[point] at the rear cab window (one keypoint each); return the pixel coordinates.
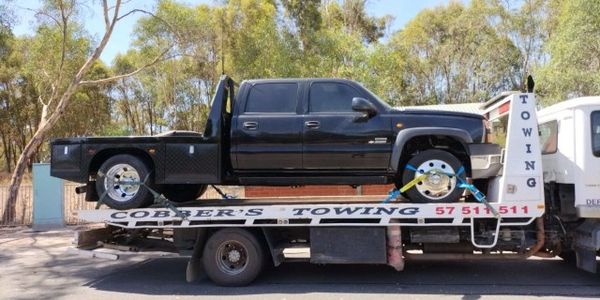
(272, 98)
(595, 120)
(328, 97)
(549, 137)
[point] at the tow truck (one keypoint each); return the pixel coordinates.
(505, 216)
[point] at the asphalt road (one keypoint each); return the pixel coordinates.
(37, 265)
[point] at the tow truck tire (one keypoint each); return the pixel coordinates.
(184, 192)
(124, 167)
(569, 257)
(233, 257)
(434, 189)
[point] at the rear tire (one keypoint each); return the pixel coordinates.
(436, 188)
(233, 257)
(569, 257)
(114, 174)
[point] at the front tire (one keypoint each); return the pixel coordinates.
(114, 176)
(233, 257)
(441, 185)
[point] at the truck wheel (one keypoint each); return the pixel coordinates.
(233, 257)
(438, 186)
(116, 172)
(184, 192)
(568, 256)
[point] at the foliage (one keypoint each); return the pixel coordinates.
(574, 50)
(463, 51)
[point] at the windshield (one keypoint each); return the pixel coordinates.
(498, 130)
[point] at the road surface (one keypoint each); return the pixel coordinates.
(37, 265)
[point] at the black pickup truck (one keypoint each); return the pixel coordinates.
(286, 132)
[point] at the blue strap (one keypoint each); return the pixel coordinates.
(393, 194)
(476, 192)
(464, 185)
(460, 171)
(410, 167)
(479, 196)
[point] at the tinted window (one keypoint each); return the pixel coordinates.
(596, 133)
(549, 137)
(272, 98)
(331, 97)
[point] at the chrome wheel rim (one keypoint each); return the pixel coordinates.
(438, 183)
(121, 182)
(232, 257)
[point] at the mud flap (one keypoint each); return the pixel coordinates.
(587, 243)
(195, 269)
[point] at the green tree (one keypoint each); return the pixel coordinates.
(357, 21)
(574, 52)
(454, 55)
(306, 17)
(65, 70)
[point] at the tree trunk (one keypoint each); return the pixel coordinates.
(7, 150)
(9, 215)
(47, 121)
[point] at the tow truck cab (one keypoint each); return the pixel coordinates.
(570, 143)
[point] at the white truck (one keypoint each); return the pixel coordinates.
(570, 145)
(232, 240)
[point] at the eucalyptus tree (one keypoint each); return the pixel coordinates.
(65, 71)
(574, 52)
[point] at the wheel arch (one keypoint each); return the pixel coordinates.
(105, 154)
(411, 136)
(99, 158)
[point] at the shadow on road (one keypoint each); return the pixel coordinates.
(166, 276)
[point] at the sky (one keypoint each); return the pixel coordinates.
(402, 10)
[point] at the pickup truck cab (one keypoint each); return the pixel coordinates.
(286, 132)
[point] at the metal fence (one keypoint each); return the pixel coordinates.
(74, 202)
(24, 203)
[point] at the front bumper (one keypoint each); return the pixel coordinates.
(486, 160)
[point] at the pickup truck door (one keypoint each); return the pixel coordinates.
(267, 130)
(332, 136)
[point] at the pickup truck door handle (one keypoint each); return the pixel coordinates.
(312, 124)
(251, 125)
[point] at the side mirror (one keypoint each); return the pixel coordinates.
(364, 106)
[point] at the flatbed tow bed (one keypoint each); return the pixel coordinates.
(231, 240)
(313, 211)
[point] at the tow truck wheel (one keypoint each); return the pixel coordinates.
(568, 256)
(119, 178)
(440, 184)
(233, 257)
(184, 192)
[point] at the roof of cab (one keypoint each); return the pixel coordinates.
(271, 80)
(570, 104)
